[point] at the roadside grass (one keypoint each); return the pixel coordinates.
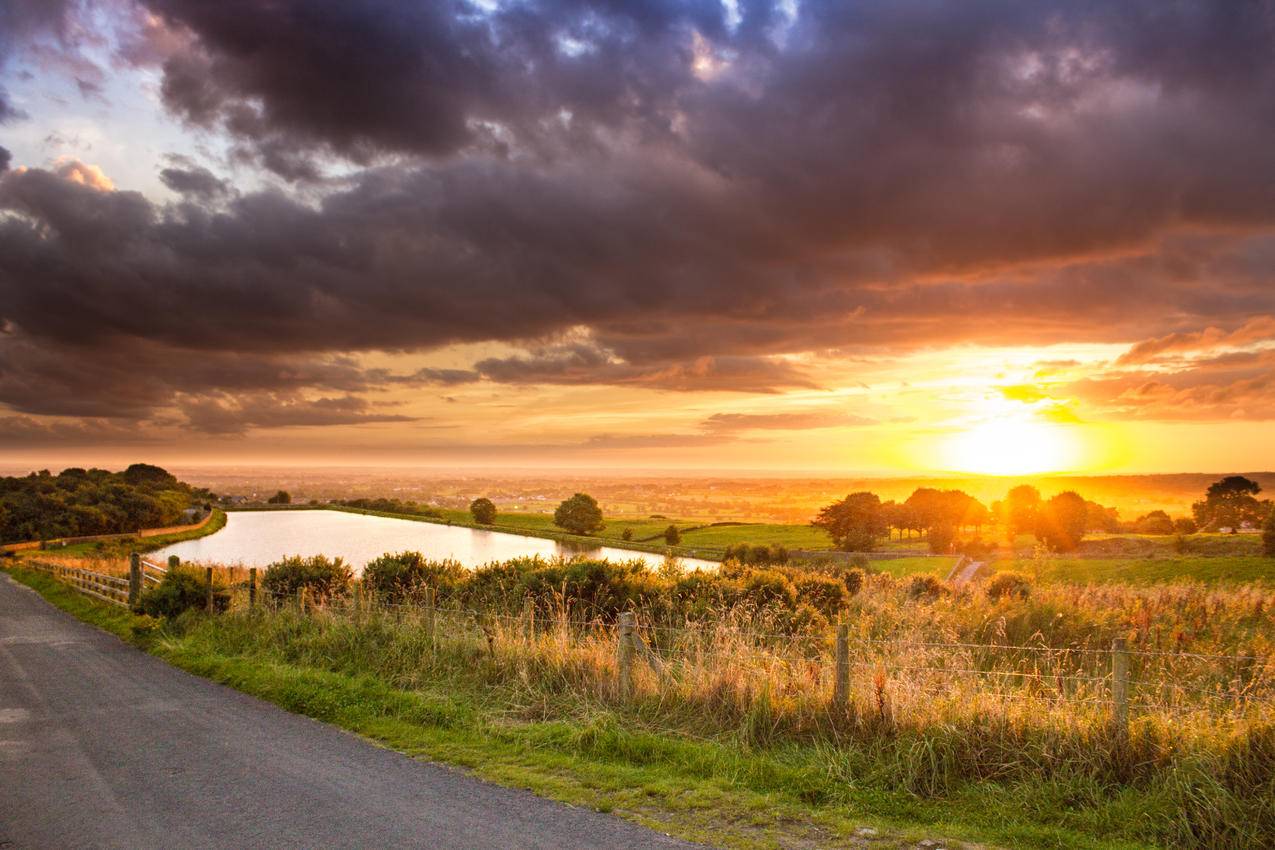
(742, 780)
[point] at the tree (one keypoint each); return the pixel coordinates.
(1184, 525)
(1268, 535)
(1156, 522)
(483, 510)
(580, 515)
(672, 536)
(1061, 522)
(1099, 518)
(855, 523)
(283, 497)
(1228, 503)
(1022, 505)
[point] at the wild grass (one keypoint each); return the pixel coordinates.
(948, 693)
(991, 716)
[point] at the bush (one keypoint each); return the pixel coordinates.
(853, 580)
(975, 548)
(1185, 525)
(181, 590)
(1156, 522)
(768, 587)
(823, 592)
(926, 588)
(1009, 584)
(672, 536)
(322, 577)
(941, 537)
(627, 535)
(405, 576)
(755, 555)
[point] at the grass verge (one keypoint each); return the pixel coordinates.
(728, 791)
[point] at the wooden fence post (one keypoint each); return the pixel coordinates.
(134, 580)
(1119, 688)
(208, 600)
(174, 562)
(841, 682)
(252, 588)
(624, 655)
(429, 612)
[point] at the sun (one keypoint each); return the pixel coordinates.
(1011, 446)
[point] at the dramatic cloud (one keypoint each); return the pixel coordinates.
(1259, 329)
(195, 181)
(648, 195)
(233, 415)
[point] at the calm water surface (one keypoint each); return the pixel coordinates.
(258, 538)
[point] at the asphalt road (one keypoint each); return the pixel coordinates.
(102, 745)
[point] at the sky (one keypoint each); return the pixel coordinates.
(853, 236)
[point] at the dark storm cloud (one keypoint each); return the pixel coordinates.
(196, 181)
(691, 198)
(240, 413)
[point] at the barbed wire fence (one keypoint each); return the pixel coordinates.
(848, 672)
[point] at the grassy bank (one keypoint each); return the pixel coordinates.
(120, 548)
(759, 762)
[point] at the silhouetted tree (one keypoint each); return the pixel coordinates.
(672, 536)
(855, 523)
(1156, 522)
(1229, 503)
(483, 510)
(1061, 522)
(580, 515)
(1022, 505)
(283, 497)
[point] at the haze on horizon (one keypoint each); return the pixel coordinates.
(880, 237)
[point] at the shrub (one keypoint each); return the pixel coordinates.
(483, 511)
(405, 576)
(322, 577)
(181, 590)
(1185, 525)
(975, 548)
(941, 537)
(853, 580)
(768, 587)
(825, 593)
(627, 535)
(1009, 584)
(926, 588)
(672, 536)
(1156, 522)
(755, 555)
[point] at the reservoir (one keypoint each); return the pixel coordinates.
(259, 538)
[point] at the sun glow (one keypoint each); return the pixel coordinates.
(1012, 446)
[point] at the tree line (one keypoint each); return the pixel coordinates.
(861, 520)
(81, 502)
